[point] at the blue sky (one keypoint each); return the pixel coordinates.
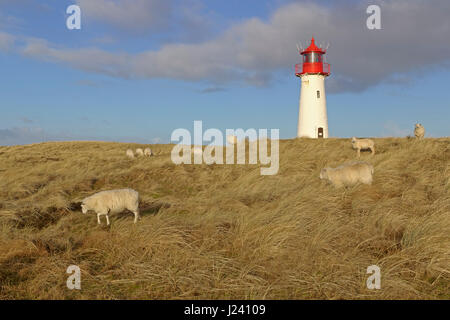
(139, 69)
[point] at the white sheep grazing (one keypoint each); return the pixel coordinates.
(231, 139)
(139, 152)
(348, 174)
(130, 154)
(419, 131)
(112, 201)
(148, 152)
(363, 144)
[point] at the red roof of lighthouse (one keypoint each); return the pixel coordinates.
(313, 48)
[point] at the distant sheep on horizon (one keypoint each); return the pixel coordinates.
(419, 131)
(348, 174)
(139, 152)
(130, 154)
(112, 201)
(148, 152)
(363, 144)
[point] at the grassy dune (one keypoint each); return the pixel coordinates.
(225, 231)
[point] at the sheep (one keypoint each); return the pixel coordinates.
(112, 201)
(130, 154)
(231, 139)
(363, 144)
(419, 131)
(348, 174)
(148, 152)
(139, 152)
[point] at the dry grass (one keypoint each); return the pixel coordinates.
(225, 231)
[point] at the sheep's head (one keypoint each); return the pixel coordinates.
(353, 139)
(418, 125)
(84, 209)
(323, 173)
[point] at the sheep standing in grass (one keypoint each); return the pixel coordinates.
(130, 154)
(363, 144)
(139, 152)
(147, 152)
(348, 174)
(419, 131)
(112, 201)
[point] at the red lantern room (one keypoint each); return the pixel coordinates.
(312, 61)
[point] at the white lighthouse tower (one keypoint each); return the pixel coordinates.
(312, 117)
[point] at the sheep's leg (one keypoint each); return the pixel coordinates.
(136, 215)
(102, 214)
(358, 152)
(373, 150)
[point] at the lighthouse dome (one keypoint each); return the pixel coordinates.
(313, 48)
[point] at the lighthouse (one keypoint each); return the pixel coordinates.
(312, 117)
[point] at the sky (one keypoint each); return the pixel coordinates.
(139, 69)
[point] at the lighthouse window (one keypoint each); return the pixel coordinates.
(318, 94)
(312, 57)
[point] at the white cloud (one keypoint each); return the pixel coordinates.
(413, 37)
(212, 90)
(28, 135)
(6, 41)
(27, 120)
(88, 59)
(104, 40)
(128, 14)
(22, 135)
